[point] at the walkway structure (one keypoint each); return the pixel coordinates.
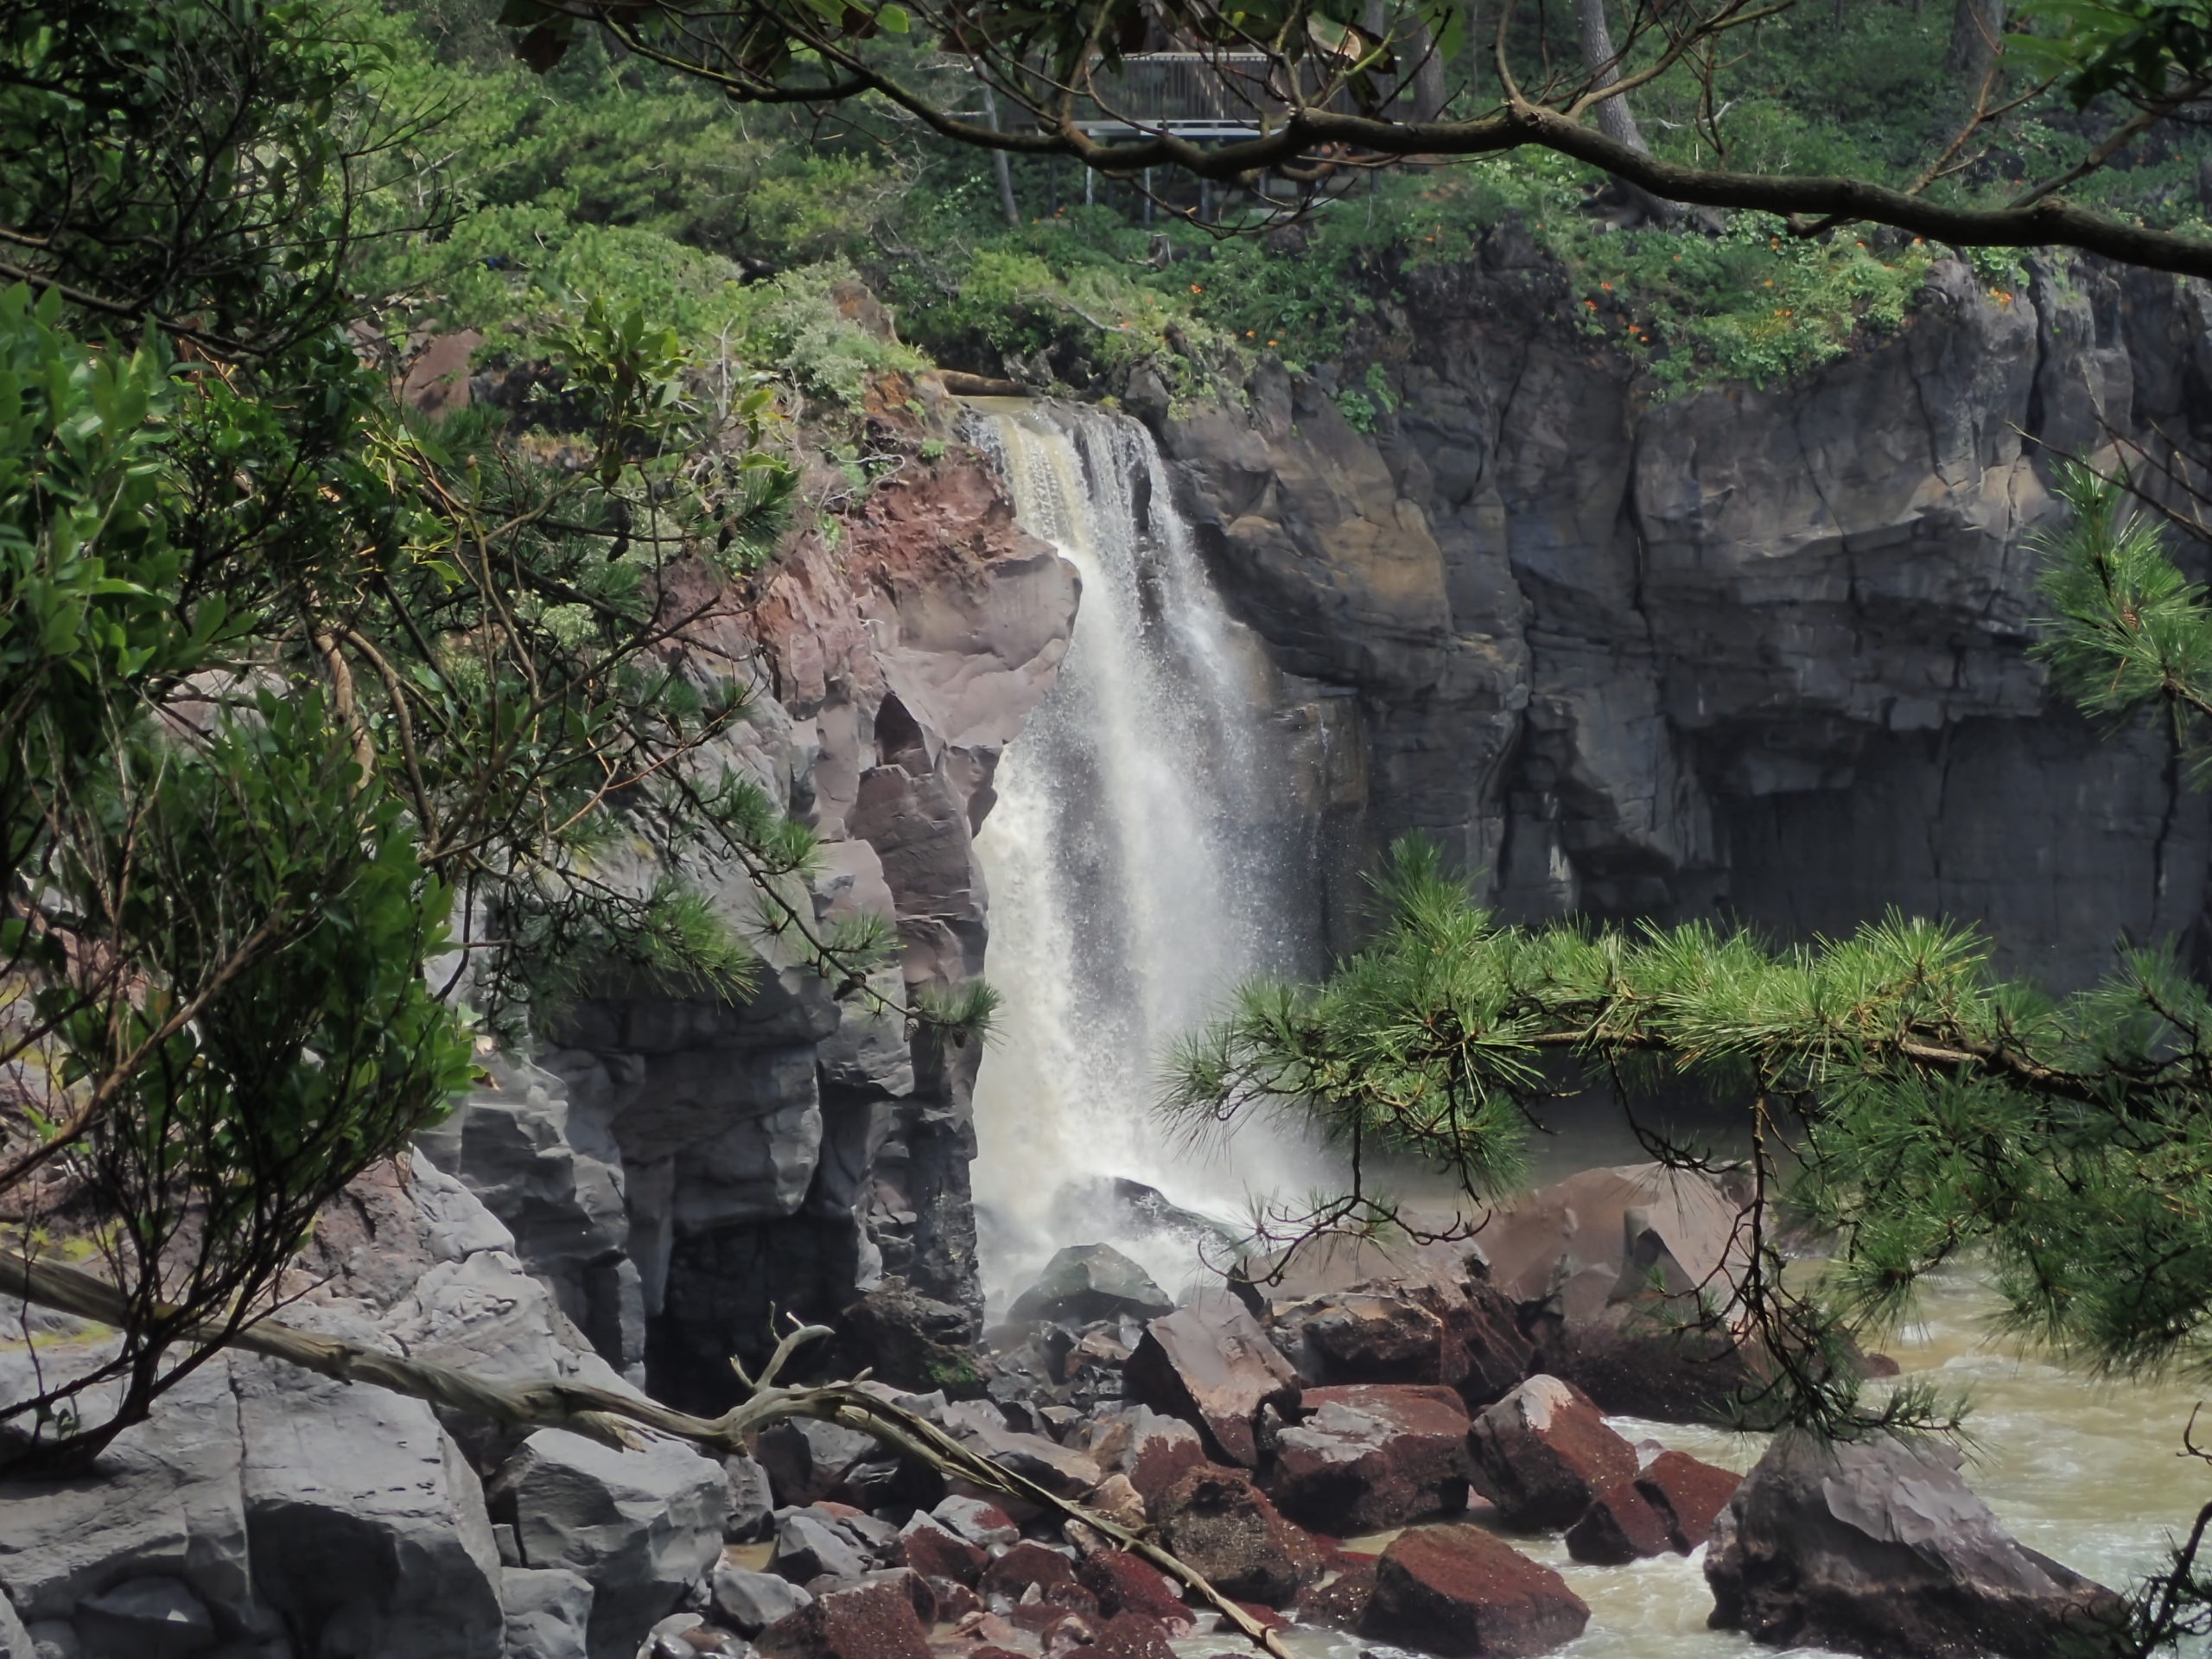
(1196, 95)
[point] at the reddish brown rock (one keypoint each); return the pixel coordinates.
(1543, 1453)
(1458, 1591)
(955, 1600)
(916, 1588)
(1686, 1495)
(1222, 1525)
(1131, 1636)
(875, 1620)
(1620, 1526)
(1485, 1352)
(1373, 1456)
(1340, 1599)
(1212, 1366)
(1154, 1451)
(1024, 1564)
(978, 1520)
(1125, 1583)
(935, 1551)
(1361, 1337)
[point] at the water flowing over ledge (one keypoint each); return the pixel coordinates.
(1136, 870)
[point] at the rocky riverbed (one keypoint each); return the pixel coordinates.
(1409, 1458)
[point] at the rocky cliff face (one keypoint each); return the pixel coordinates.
(673, 1166)
(1756, 654)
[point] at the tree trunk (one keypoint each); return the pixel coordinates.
(1600, 62)
(1429, 93)
(1976, 28)
(1478, 54)
(1000, 164)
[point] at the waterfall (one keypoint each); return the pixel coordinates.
(1134, 874)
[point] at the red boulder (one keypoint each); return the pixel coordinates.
(875, 1620)
(1687, 1496)
(1620, 1526)
(1126, 1583)
(1371, 1456)
(1543, 1453)
(1458, 1591)
(1221, 1525)
(1213, 1366)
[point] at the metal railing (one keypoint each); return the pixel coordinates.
(1193, 94)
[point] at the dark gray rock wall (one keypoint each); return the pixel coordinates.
(1756, 654)
(675, 1166)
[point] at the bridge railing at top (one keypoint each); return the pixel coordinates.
(1196, 95)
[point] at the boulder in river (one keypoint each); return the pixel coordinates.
(1223, 1527)
(1213, 1366)
(1877, 1547)
(1669, 1506)
(1620, 1526)
(1687, 1495)
(1458, 1591)
(1361, 1337)
(874, 1620)
(1373, 1456)
(1087, 1282)
(1542, 1453)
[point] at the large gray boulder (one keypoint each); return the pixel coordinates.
(643, 1526)
(1086, 1282)
(547, 1613)
(145, 1619)
(553, 1177)
(367, 1527)
(166, 1497)
(1877, 1547)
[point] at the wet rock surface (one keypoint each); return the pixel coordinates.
(1760, 649)
(1543, 1453)
(1369, 1457)
(1213, 1366)
(1878, 1547)
(1458, 1590)
(1085, 1283)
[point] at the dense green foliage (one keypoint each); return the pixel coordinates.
(611, 175)
(329, 738)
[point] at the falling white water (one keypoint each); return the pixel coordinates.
(1133, 877)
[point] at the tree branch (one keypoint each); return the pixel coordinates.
(614, 1419)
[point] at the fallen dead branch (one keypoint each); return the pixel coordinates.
(614, 1419)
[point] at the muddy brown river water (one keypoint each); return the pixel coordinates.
(2087, 1472)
